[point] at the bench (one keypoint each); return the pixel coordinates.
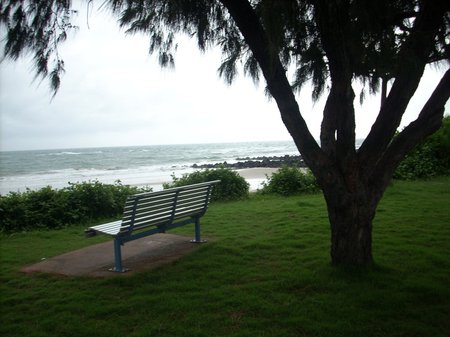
(156, 212)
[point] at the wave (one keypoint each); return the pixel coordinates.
(65, 153)
(140, 176)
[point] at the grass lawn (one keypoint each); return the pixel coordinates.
(266, 272)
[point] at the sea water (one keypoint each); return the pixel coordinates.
(137, 165)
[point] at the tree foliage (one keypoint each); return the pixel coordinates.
(38, 27)
(374, 35)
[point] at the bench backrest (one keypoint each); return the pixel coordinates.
(164, 207)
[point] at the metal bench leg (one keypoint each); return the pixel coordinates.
(197, 232)
(118, 258)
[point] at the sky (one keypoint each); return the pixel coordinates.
(115, 94)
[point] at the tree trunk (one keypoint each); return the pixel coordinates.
(384, 83)
(350, 216)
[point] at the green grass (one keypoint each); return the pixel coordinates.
(265, 272)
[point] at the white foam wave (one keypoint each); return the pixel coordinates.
(141, 176)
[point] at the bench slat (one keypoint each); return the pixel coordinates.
(187, 202)
(188, 212)
(149, 211)
(153, 218)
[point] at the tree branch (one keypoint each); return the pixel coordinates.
(413, 56)
(328, 127)
(256, 37)
(428, 122)
(338, 125)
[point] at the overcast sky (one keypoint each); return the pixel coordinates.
(115, 94)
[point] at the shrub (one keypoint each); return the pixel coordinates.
(290, 180)
(51, 208)
(428, 159)
(231, 187)
(419, 164)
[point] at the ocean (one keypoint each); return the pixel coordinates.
(132, 165)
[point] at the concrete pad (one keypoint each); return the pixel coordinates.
(139, 255)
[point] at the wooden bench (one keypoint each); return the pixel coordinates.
(156, 212)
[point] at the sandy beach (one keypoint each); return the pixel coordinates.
(255, 176)
(256, 173)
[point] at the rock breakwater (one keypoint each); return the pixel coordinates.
(254, 162)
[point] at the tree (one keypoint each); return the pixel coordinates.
(333, 43)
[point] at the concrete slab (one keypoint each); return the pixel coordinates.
(139, 255)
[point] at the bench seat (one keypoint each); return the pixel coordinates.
(110, 228)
